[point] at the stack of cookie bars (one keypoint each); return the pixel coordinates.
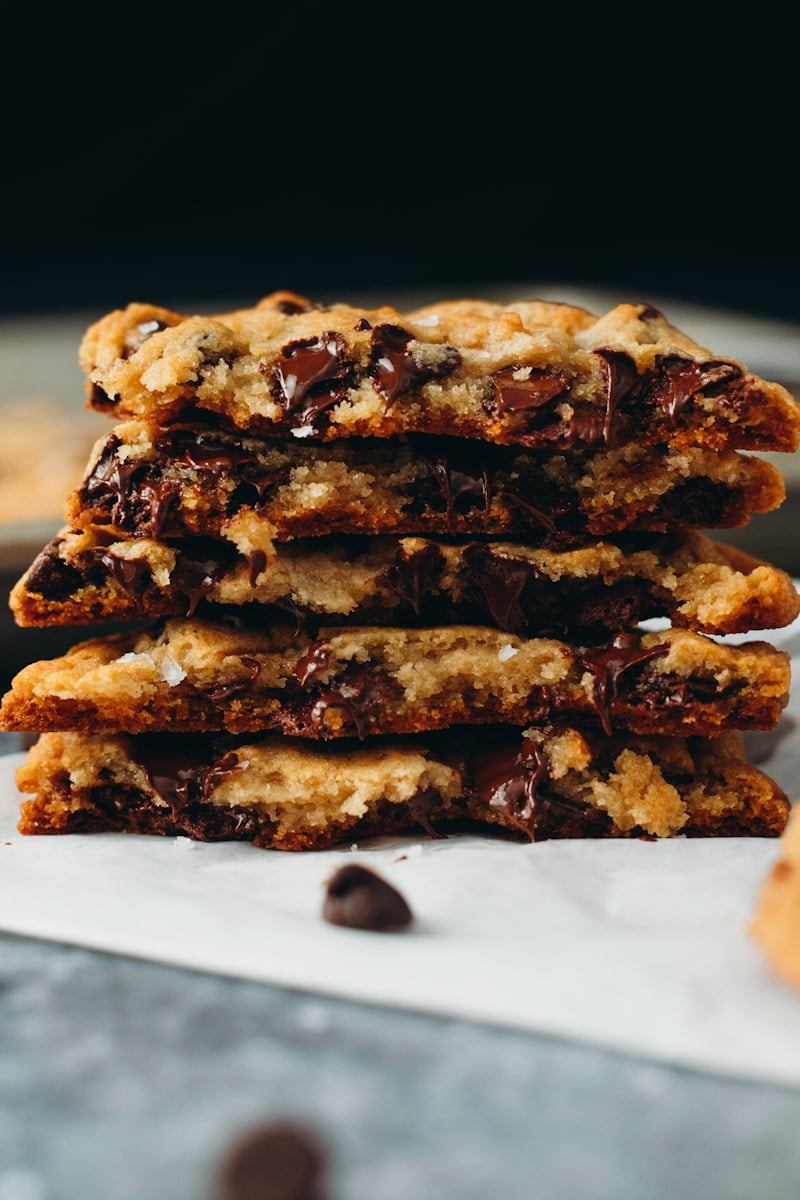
(400, 571)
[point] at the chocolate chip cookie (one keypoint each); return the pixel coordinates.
(533, 373)
(287, 794)
(195, 674)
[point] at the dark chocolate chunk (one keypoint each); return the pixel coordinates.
(279, 1161)
(621, 381)
(361, 692)
(311, 377)
(316, 659)
(203, 449)
(412, 575)
(499, 582)
(541, 518)
(512, 394)
(125, 495)
(132, 574)
(256, 561)
(420, 807)
(678, 380)
(394, 368)
(460, 486)
(51, 577)
(185, 774)
(290, 308)
(305, 619)
(194, 578)
(361, 325)
(508, 778)
(226, 691)
(360, 899)
(609, 663)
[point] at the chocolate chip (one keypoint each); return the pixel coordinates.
(311, 377)
(394, 368)
(279, 1161)
(412, 576)
(508, 778)
(537, 387)
(609, 663)
(499, 583)
(291, 308)
(621, 380)
(360, 899)
(678, 380)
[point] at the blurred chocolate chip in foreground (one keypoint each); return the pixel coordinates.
(360, 899)
(277, 1161)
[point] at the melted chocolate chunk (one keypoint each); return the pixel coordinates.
(193, 578)
(412, 575)
(670, 690)
(395, 370)
(256, 561)
(311, 377)
(621, 381)
(359, 899)
(541, 518)
(203, 449)
(132, 574)
(420, 807)
(499, 583)
(511, 394)
(183, 774)
(316, 659)
(461, 486)
(361, 692)
(51, 577)
(586, 426)
(508, 778)
(226, 691)
(361, 325)
(279, 1161)
(126, 497)
(678, 380)
(305, 619)
(609, 663)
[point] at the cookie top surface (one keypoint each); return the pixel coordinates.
(534, 372)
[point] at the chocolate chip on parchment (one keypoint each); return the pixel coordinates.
(278, 1161)
(360, 899)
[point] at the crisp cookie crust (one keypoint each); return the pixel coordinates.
(87, 575)
(776, 922)
(290, 795)
(202, 481)
(532, 372)
(197, 675)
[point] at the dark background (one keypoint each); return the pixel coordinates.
(338, 152)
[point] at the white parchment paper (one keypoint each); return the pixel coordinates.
(641, 947)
